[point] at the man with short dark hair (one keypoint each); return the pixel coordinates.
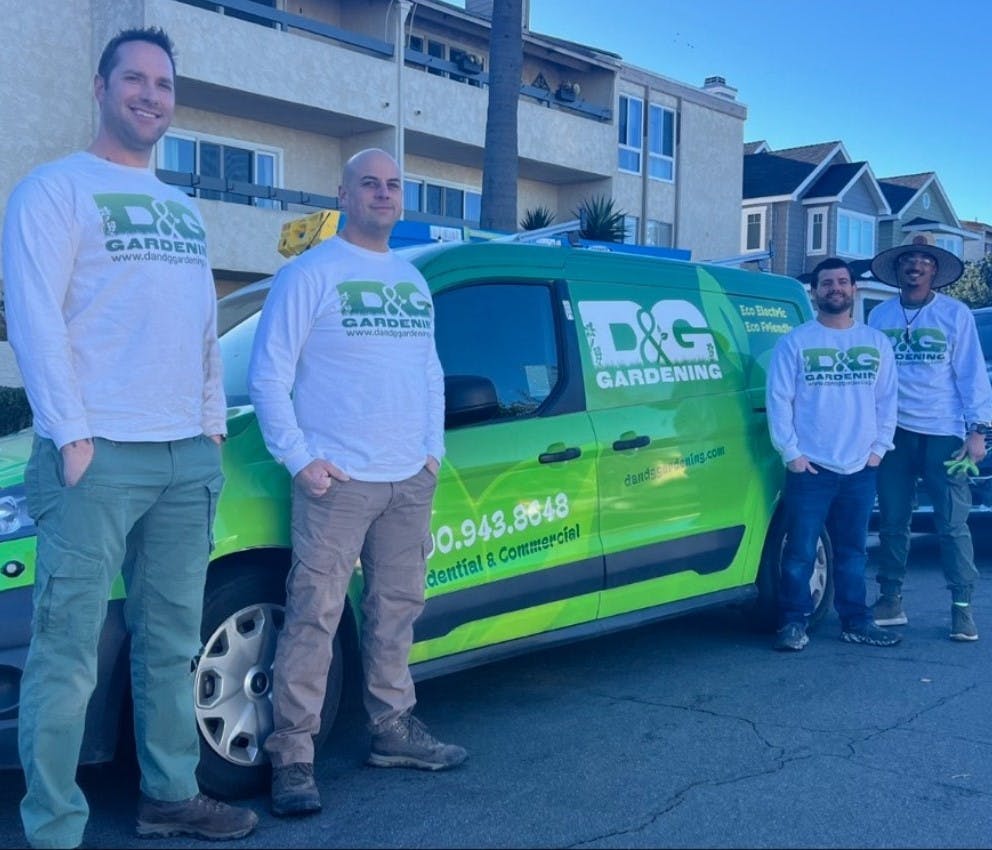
(945, 411)
(112, 317)
(831, 400)
(355, 411)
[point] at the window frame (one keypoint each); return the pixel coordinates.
(256, 149)
(444, 186)
(625, 147)
(843, 230)
(656, 225)
(762, 213)
(811, 214)
(661, 156)
(631, 229)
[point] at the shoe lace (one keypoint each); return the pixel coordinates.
(417, 732)
(208, 803)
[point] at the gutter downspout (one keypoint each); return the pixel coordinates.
(403, 9)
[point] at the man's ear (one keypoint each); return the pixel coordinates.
(99, 87)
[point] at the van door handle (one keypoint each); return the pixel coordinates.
(638, 442)
(557, 457)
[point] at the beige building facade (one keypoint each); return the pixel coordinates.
(273, 97)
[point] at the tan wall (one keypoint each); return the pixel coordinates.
(46, 97)
(225, 51)
(710, 171)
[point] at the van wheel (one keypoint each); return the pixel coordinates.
(242, 616)
(821, 583)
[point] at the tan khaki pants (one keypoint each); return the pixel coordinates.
(388, 525)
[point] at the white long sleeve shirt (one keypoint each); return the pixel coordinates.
(943, 380)
(344, 366)
(111, 308)
(831, 396)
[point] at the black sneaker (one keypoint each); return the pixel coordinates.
(792, 637)
(294, 791)
(199, 816)
(870, 635)
(405, 742)
(963, 623)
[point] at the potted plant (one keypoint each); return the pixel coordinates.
(470, 63)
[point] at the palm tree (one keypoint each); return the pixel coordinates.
(537, 218)
(499, 163)
(600, 220)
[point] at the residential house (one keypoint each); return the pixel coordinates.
(802, 204)
(977, 249)
(919, 203)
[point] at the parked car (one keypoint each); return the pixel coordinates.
(981, 484)
(608, 464)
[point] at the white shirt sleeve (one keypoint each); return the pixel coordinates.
(40, 241)
(283, 328)
(780, 396)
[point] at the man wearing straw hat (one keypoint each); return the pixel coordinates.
(944, 412)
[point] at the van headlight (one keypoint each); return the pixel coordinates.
(14, 519)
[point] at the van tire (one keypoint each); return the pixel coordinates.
(764, 613)
(242, 615)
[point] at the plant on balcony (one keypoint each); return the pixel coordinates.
(600, 221)
(568, 91)
(537, 218)
(470, 63)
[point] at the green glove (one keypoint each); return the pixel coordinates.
(964, 466)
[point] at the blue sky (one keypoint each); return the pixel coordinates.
(904, 85)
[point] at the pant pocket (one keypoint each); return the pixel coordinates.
(214, 488)
(70, 594)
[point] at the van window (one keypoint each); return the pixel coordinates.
(504, 332)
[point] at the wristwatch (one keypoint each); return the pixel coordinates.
(978, 428)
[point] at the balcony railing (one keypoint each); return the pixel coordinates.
(267, 16)
(241, 192)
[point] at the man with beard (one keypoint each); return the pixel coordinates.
(831, 401)
(945, 408)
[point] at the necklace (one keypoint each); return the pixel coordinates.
(906, 316)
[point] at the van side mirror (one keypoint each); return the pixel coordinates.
(468, 400)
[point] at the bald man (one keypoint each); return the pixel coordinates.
(349, 394)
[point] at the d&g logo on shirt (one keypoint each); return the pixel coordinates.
(918, 345)
(141, 227)
(371, 308)
(858, 365)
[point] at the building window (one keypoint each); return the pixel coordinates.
(630, 127)
(631, 228)
(816, 231)
(753, 230)
(855, 235)
(661, 143)
(954, 244)
(658, 233)
(443, 200)
(227, 159)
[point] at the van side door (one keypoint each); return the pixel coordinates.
(681, 481)
(516, 548)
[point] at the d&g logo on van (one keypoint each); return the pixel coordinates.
(371, 308)
(667, 343)
(858, 365)
(918, 345)
(143, 228)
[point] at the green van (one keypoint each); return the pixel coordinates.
(608, 464)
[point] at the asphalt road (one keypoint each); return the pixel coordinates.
(688, 733)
